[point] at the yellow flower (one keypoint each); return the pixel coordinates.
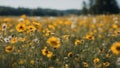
(37, 24)
(106, 64)
(85, 64)
(89, 37)
(32, 62)
(21, 27)
(77, 42)
(9, 49)
(70, 54)
(96, 60)
(66, 37)
(51, 67)
(13, 40)
(47, 53)
(51, 27)
(22, 39)
(115, 48)
(23, 16)
(21, 61)
(54, 42)
(31, 28)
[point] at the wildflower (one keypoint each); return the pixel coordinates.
(7, 40)
(96, 60)
(23, 16)
(51, 27)
(21, 39)
(37, 24)
(70, 54)
(77, 42)
(47, 53)
(4, 27)
(54, 42)
(21, 27)
(51, 67)
(21, 61)
(66, 66)
(118, 61)
(9, 49)
(21, 20)
(106, 64)
(32, 62)
(36, 40)
(31, 28)
(13, 40)
(115, 48)
(85, 64)
(89, 37)
(66, 37)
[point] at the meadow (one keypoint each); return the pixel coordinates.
(60, 42)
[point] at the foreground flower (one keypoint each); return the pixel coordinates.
(54, 42)
(21, 27)
(115, 48)
(9, 49)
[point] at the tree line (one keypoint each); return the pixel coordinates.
(100, 7)
(35, 12)
(93, 7)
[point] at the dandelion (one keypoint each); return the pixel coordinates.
(54, 42)
(21, 27)
(115, 48)
(9, 49)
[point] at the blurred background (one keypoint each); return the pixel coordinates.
(58, 7)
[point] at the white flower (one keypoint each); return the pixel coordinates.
(118, 61)
(6, 40)
(35, 40)
(9, 37)
(21, 19)
(4, 27)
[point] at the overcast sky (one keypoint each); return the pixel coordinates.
(53, 4)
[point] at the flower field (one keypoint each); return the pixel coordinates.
(60, 42)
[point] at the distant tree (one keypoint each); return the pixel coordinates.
(103, 7)
(84, 9)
